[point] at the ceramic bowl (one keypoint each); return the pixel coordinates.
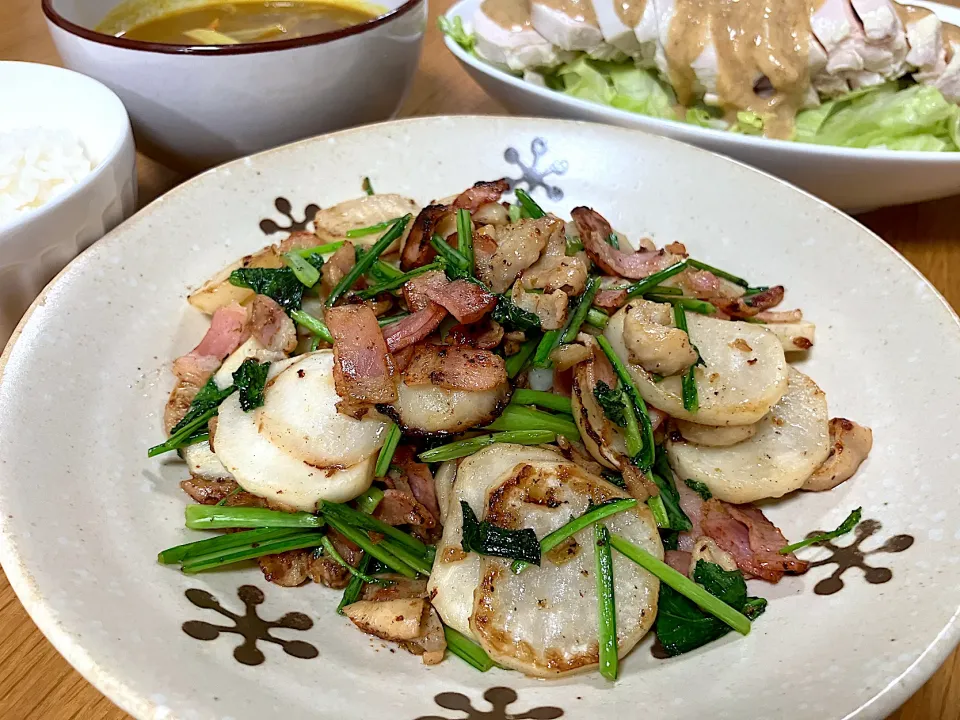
(80, 527)
(35, 246)
(852, 179)
(195, 107)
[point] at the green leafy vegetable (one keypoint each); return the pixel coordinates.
(645, 457)
(368, 501)
(518, 361)
(367, 186)
(662, 477)
(682, 626)
(612, 402)
(659, 510)
(613, 240)
(549, 400)
(331, 552)
(597, 318)
(853, 519)
(386, 452)
(514, 213)
(216, 517)
(313, 324)
(453, 28)
(465, 237)
(687, 303)
(306, 271)
(485, 538)
(279, 284)
(688, 383)
(208, 398)
(648, 283)
(718, 272)
(368, 259)
(518, 417)
(579, 314)
(455, 264)
(513, 317)
(250, 379)
(370, 229)
(351, 593)
(699, 488)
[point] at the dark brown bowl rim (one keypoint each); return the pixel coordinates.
(242, 49)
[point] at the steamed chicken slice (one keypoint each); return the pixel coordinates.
(297, 449)
(744, 376)
(864, 51)
(542, 621)
(934, 50)
(505, 37)
(571, 25)
(789, 444)
(630, 26)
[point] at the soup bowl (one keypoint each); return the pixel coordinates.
(193, 107)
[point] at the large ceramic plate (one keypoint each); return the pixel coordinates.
(851, 179)
(83, 512)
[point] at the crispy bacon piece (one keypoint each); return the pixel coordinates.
(401, 508)
(455, 367)
(741, 308)
(753, 541)
(271, 325)
(416, 292)
(679, 560)
(594, 231)
(419, 479)
(486, 335)
(363, 369)
(333, 270)
(417, 250)
(413, 328)
(610, 299)
(228, 330)
(466, 301)
(483, 192)
(208, 491)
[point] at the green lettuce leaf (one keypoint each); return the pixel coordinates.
(916, 117)
(640, 92)
(582, 79)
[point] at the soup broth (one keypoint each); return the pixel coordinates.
(246, 22)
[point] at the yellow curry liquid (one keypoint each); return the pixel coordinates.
(246, 22)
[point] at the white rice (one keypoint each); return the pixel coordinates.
(37, 165)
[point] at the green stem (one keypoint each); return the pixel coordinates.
(550, 339)
(682, 584)
(346, 514)
(648, 453)
(215, 517)
(595, 514)
(718, 272)
(632, 432)
(643, 286)
(367, 503)
(597, 318)
(416, 561)
(220, 543)
(376, 550)
(465, 237)
(583, 308)
(692, 304)
(519, 418)
(320, 249)
(606, 603)
(528, 204)
(369, 257)
(351, 593)
(455, 261)
(664, 290)
(370, 229)
(314, 324)
(467, 650)
(384, 321)
(367, 186)
(330, 551)
(386, 452)
(659, 510)
(518, 361)
(688, 384)
(399, 281)
(184, 436)
(549, 400)
(306, 273)
(306, 539)
(462, 448)
(852, 520)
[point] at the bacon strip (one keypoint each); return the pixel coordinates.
(271, 325)
(455, 367)
(594, 231)
(753, 541)
(417, 250)
(486, 335)
(740, 308)
(466, 301)
(420, 479)
(482, 193)
(610, 299)
(363, 369)
(413, 328)
(333, 270)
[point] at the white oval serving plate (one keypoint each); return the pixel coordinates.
(83, 512)
(854, 180)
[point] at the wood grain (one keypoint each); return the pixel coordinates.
(35, 682)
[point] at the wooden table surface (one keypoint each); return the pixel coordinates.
(35, 682)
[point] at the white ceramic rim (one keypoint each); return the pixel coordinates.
(732, 139)
(116, 107)
(115, 688)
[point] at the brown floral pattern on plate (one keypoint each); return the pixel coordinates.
(852, 556)
(250, 626)
(285, 208)
(500, 698)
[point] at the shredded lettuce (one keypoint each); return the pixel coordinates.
(455, 30)
(896, 115)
